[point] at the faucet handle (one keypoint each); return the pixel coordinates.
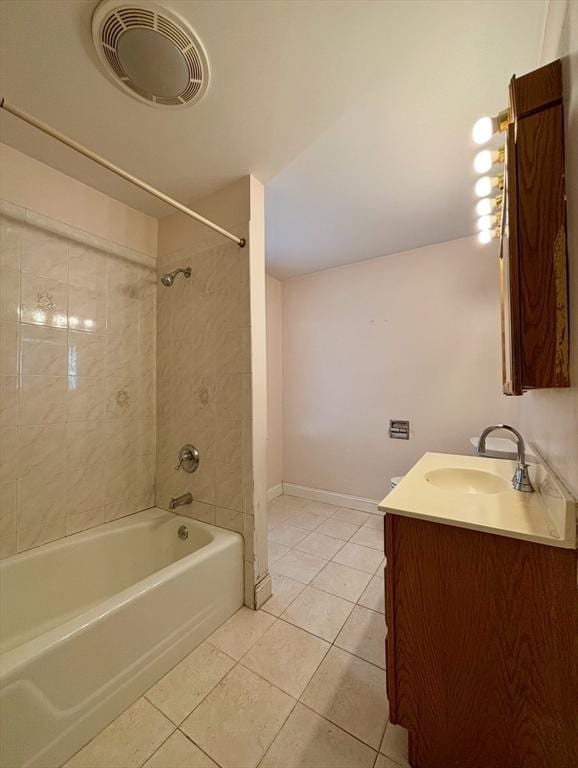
(521, 480)
(189, 458)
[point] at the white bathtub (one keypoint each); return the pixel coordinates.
(90, 622)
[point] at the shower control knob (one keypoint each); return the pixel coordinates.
(188, 458)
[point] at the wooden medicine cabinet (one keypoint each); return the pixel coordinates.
(533, 258)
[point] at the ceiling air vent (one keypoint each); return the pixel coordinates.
(150, 52)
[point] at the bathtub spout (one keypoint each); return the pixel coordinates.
(179, 501)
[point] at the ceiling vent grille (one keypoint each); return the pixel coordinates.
(150, 52)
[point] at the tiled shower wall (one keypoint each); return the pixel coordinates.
(77, 365)
(204, 388)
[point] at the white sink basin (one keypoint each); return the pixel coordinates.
(466, 480)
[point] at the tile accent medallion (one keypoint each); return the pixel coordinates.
(77, 379)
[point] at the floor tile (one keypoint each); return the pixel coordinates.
(338, 529)
(318, 544)
(369, 537)
(276, 516)
(299, 566)
(302, 518)
(351, 693)
(308, 741)
(287, 657)
(353, 516)
(285, 590)
(395, 745)
(385, 762)
(128, 741)
(187, 684)
(239, 719)
(356, 556)
(379, 571)
(374, 595)
(319, 508)
(318, 612)
(240, 632)
(364, 635)
(288, 535)
(278, 504)
(342, 581)
(276, 550)
(292, 503)
(376, 521)
(179, 752)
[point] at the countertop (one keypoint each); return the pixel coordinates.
(547, 516)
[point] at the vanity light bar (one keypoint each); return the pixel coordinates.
(488, 208)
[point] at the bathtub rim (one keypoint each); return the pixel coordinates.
(221, 538)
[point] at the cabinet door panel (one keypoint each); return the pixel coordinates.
(485, 652)
(388, 532)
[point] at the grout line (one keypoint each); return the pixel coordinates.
(294, 547)
(216, 647)
(274, 739)
(298, 700)
(404, 763)
(319, 589)
(341, 728)
(164, 741)
(198, 746)
(333, 642)
(178, 725)
(157, 709)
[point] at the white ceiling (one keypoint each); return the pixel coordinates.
(356, 114)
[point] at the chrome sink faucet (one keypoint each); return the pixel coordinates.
(521, 480)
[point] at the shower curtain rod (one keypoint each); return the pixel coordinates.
(119, 171)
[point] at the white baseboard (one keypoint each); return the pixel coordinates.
(330, 497)
(274, 491)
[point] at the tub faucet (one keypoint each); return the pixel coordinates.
(521, 480)
(180, 501)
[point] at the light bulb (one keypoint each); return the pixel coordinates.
(483, 130)
(483, 161)
(486, 222)
(484, 206)
(484, 186)
(485, 236)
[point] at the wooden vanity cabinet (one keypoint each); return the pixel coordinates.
(481, 648)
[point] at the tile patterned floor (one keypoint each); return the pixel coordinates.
(298, 684)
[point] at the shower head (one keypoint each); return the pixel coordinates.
(168, 279)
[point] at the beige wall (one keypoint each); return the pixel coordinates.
(77, 356)
(206, 330)
(34, 185)
(550, 416)
(274, 382)
(410, 336)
